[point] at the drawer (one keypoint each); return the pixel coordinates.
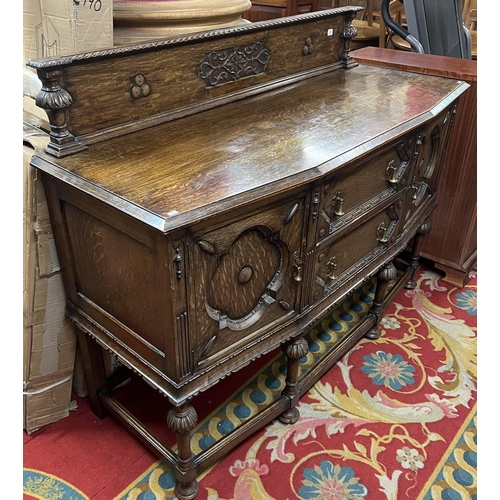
(247, 279)
(346, 254)
(345, 198)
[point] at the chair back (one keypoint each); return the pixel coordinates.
(434, 27)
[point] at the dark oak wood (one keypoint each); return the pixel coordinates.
(193, 242)
(452, 243)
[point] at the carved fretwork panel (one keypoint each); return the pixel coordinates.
(229, 65)
(343, 255)
(344, 199)
(248, 274)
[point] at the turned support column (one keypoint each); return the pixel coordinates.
(416, 249)
(348, 33)
(56, 100)
(294, 350)
(95, 371)
(384, 277)
(182, 420)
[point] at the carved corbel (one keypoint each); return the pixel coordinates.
(55, 100)
(348, 33)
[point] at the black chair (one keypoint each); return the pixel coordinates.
(434, 27)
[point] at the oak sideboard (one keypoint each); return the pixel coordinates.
(214, 195)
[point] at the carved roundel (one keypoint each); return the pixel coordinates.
(245, 275)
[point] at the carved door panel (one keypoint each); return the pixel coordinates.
(428, 157)
(347, 253)
(247, 280)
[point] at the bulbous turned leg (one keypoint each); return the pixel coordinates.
(294, 350)
(182, 420)
(415, 252)
(384, 277)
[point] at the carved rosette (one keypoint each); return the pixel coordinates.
(182, 420)
(296, 349)
(424, 228)
(388, 273)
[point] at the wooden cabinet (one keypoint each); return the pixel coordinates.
(263, 10)
(452, 243)
(218, 209)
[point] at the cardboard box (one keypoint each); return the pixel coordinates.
(53, 28)
(49, 340)
(59, 27)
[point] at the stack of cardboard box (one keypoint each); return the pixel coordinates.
(51, 28)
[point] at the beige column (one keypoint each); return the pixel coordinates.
(138, 21)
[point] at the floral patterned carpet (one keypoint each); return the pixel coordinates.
(394, 419)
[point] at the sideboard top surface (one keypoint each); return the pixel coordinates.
(224, 157)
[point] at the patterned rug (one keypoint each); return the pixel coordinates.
(394, 419)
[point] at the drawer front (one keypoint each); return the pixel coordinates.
(247, 280)
(346, 254)
(347, 197)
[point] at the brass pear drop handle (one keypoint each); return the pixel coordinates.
(382, 233)
(331, 268)
(297, 267)
(392, 169)
(338, 202)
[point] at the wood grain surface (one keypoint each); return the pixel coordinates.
(239, 150)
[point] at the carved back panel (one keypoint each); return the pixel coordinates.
(92, 96)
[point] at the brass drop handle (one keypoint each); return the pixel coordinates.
(392, 169)
(297, 267)
(382, 233)
(338, 201)
(331, 268)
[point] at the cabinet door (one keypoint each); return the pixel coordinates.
(429, 152)
(247, 279)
